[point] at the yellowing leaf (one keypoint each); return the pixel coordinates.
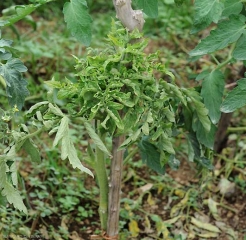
(133, 228)
(150, 200)
(206, 226)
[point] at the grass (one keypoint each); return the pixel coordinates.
(62, 202)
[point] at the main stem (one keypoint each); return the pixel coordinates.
(115, 188)
(102, 178)
(131, 19)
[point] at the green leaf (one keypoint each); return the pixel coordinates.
(62, 130)
(16, 64)
(116, 117)
(232, 7)
(227, 32)
(32, 150)
(149, 7)
(96, 139)
(201, 112)
(173, 162)
(78, 20)
(239, 52)
(194, 144)
(57, 111)
(5, 43)
(67, 147)
(206, 12)
(150, 155)
(202, 75)
(205, 162)
(69, 151)
(204, 137)
(36, 107)
(14, 197)
(236, 98)
(3, 170)
(16, 85)
(212, 92)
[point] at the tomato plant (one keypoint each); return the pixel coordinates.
(125, 95)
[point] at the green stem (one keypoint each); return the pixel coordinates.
(102, 178)
(224, 63)
(228, 59)
(236, 129)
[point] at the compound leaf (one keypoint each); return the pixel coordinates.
(236, 98)
(212, 92)
(149, 7)
(206, 12)
(78, 20)
(227, 32)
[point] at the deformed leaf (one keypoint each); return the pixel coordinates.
(96, 139)
(14, 197)
(78, 20)
(57, 111)
(236, 98)
(62, 130)
(69, 151)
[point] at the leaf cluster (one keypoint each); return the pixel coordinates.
(130, 92)
(229, 32)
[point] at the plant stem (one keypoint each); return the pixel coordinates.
(102, 178)
(115, 188)
(236, 129)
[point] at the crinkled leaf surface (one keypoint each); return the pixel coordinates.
(212, 92)
(150, 155)
(14, 197)
(227, 32)
(149, 7)
(78, 20)
(206, 12)
(236, 98)
(16, 84)
(239, 52)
